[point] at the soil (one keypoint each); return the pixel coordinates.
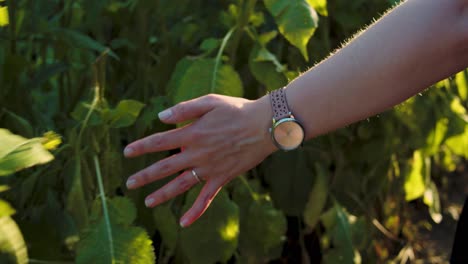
(434, 241)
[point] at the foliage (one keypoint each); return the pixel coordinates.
(98, 72)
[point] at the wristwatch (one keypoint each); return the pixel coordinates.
(287, 132)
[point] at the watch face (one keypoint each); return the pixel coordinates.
(288, 134)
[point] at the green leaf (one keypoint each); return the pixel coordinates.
(125, 114)
(317, 198)
(265, 38)
(339, 229)
(260, 240)
(27, 188)
(46, 72)
(13, 249)
(217, 228)
(167, 225)
(75, 203)
(320, 6)
(59, 221)
(17, 123)
(81, 111)
(4, 20)
(461, 79)
(6, 209)
(131, 244)
(432, 200)
(4, 188)
(192, 78)
(437, 136)
(284, 173)
(457, 144)
(210, 44)
(296, 20)
(121, 209)
(266, 68)
(19, 153)
(416, 176)
(78, 39)
(265, 235)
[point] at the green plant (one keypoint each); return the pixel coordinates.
(98, 72)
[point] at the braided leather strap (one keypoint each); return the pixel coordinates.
(279, 104)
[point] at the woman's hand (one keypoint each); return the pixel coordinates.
(228, 137)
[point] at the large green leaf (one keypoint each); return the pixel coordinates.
(317, 198)
(320, 6)
(296, 20)
(192, 78)
(214, 237)
(289, 177)
(6, 209)
(12, 246)
(260, 240)
(461, 79)
(337, 225)
(4, 20)
(125, 114)
(19, 153)
(457, 144)
(437, 136)
(130, 244)
(266, 68)
(417, 176)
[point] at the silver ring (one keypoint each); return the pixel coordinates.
(196, 176)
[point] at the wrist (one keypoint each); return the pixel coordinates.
(263, 112)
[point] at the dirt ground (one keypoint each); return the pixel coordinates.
(435, 241)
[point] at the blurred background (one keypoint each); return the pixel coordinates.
(79, 79)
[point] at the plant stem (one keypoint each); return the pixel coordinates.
(247, 8)
(218, 59)
(104, 207)
(247, 185)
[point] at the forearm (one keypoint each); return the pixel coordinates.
(412, 47)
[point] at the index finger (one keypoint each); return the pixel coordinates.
(167, 140)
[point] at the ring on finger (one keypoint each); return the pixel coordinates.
(195, 175)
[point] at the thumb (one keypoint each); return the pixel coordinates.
(188, 110)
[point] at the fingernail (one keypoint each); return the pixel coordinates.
(131, 183)
(128, 151)
(183, 223)
(149, 202)
(165, 114)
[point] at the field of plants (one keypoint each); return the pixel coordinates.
(80, 79)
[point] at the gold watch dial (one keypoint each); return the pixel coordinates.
(288, 134)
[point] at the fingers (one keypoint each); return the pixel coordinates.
(175, 138)
(189, 110)
(168, 140)
(177, 186)
(159, 170)
(203, 201)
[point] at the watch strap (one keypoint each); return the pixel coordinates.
(279, 104)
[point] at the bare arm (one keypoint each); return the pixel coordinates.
(415, 45)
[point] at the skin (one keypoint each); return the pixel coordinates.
(411, 47)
